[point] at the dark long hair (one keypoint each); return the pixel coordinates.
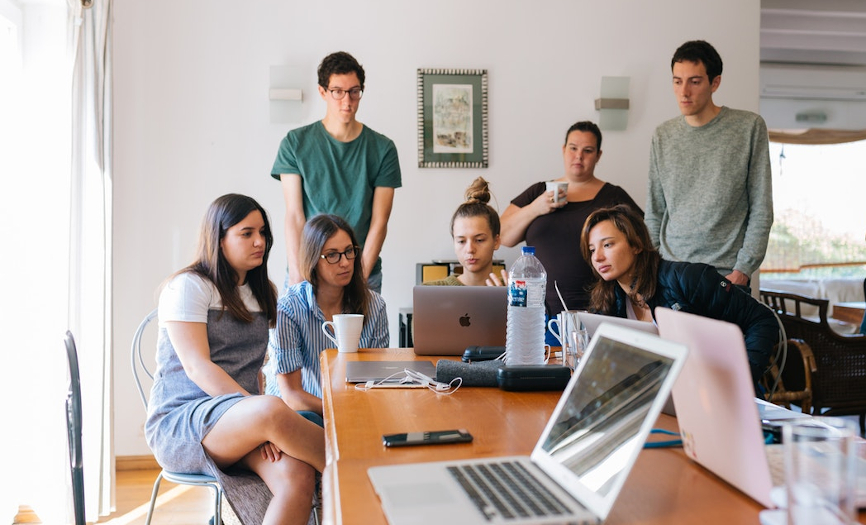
(317, 231)
(646, 264)
(477, 196)
(223, 213)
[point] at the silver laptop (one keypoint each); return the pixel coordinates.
(579, 463)
(448, 319)
(387, 372)
(592, 321)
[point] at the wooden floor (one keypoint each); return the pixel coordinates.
(176, 505)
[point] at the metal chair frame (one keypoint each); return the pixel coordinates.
(73, 429)
(198, 480)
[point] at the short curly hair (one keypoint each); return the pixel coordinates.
(339, 63)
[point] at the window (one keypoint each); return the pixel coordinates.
(820, 215)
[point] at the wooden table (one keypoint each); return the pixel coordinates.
(849, 312)
(665, 487)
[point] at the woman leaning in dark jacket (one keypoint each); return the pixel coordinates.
(635, 280)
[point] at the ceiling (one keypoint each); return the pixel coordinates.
(827, 32)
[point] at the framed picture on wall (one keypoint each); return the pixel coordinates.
(452, 118)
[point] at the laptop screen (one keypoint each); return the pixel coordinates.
(602, 422)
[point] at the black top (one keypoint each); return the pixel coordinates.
(556, 238)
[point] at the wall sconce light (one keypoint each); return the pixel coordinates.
(613, 104)
(285, 95)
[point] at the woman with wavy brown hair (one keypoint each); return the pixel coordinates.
(633, 281)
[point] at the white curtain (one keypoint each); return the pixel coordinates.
(90, 244)
(55, 198)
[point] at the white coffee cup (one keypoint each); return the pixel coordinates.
(565, 322)
(559, 189)
(567, 325)
(347, 329)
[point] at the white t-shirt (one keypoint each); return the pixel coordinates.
(189, 296)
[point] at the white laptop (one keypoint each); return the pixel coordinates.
(718, 414)
(448, 319)
(580, 462)
(715, 402)
(389, 373)
(592, 321)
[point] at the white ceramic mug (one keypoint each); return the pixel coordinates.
(565, 322)
(560, 190)
(347, 331)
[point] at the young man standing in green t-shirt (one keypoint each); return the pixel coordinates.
(338, 165)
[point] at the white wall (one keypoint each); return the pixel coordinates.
(191, 113)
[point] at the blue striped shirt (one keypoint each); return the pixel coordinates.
(297, 340)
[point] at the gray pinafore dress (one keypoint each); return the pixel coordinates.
(180, 414)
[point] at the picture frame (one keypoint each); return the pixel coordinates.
(452, 118)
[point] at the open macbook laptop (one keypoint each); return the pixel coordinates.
(448, 319)
(592, 321)
(718, 414)
(581, 459)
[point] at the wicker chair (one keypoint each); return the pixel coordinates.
(795, 383)
(838, 375)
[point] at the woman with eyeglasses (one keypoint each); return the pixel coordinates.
(333, 284)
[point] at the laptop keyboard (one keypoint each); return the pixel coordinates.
(776, 461)
(506, 490)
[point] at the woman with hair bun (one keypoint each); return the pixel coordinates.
(475, 230)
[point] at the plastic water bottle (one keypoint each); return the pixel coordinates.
(524, 334)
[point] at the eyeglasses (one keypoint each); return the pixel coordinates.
(334, 257)
(338, 94)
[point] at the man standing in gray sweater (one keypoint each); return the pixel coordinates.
(710, 195)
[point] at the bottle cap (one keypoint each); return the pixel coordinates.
(528, 250)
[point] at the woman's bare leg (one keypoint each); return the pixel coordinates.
(292, 483)
(257, 419)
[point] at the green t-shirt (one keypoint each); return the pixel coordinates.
(339, 177)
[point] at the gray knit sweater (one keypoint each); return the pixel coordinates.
(710, 195)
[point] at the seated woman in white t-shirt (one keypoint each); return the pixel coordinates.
(205, 414)
(333, 284)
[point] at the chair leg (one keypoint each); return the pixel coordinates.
(153, 498)
(218, 517)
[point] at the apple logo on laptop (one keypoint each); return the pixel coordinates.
(464, 320)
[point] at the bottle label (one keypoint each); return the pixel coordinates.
(517, 293)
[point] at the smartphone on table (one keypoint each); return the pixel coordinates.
(438, 437)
